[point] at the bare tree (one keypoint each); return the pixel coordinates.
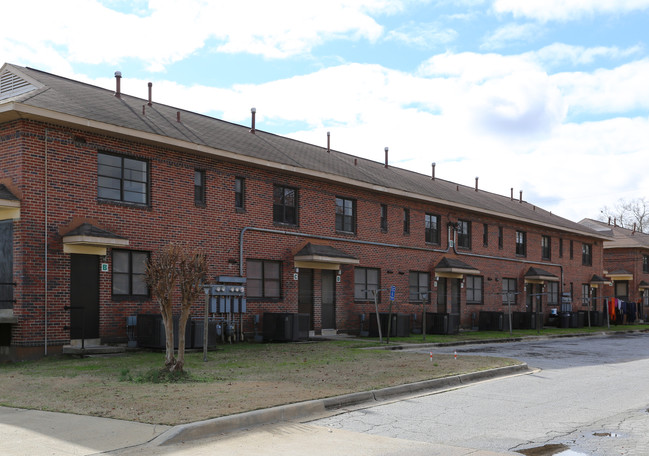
(161, 276)
(628, 213)
(192, 269)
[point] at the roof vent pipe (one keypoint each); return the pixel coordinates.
(609, 221)
(177, 116)
(511, 197)
(253, 111)
(356, 162)
(150, 92)
(118, 79)
(433, 175)
(521, 196)
(633, 228)
(476, 183)
(386, 157)
(328, 141)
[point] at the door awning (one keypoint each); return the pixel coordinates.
(620, 275)
(643, 285)
(538, 275)
(91, 240)
(451, 268)
(9, 204)
(596, 281)
(316, 256)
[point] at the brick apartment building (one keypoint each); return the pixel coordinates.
(626, 263)
(93, 182)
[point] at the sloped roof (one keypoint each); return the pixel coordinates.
(620, 238)
(68, 102)
(87, 229)
(324, 251)
(6, 194)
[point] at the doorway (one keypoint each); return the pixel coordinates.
(84, 296)
(305, 294)
(6, 265)
(328, 299)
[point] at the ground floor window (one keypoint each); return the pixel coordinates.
(553, 293)
(366, 282)
(474, 290)
(129, 271)
(263, 279)
(509, 291)
(419, 286)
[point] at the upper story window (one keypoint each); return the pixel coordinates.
(345, 215)
(406, 221)
(384, 217)
(122, 178)
(366, 283)
(239, 192)
(645, 263)
(432, 228)
(571, 250)
(419, 286)
(521, 243)
(263, 279)
(586, 254)
(474, 289)
(509, 291)
(464, 234)
(501, 237)
(546, 247)
(129, 271)
(485, 235)
(284, 205)
(560, 248)
(199, 187)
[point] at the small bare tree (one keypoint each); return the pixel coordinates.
(161, 276)
(192, 269)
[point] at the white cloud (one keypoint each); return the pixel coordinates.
(566, 10)
(422, 35)
(618, 90)
(560, 53)
(511, 32)
(166, 32)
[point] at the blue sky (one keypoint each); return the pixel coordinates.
(545, 96)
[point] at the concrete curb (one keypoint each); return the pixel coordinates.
(289, 412)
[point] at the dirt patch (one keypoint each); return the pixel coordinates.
(234, 379)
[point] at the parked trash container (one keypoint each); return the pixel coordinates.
(564, 320)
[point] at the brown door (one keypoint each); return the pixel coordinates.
(455, 296)
(328, 299)
(84, 296)
(305, 293)
(6, 265)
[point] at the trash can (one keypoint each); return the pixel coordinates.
(564, 320)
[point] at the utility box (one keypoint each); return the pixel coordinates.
(286, 327)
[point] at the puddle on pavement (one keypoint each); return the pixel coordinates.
(557, 449)
(606, 434)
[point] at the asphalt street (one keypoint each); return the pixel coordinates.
(589, 395)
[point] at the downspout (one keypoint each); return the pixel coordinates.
(46, 203)
(327, 238)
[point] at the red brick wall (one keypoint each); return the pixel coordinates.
(215, 228)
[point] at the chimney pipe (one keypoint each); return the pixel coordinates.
(386, 157)
(476, 183)
(253, 111)
(356, 162)
(150, 91)
(328, 141)
(511, 197)
(177, 116)
(521, 196)
(433, 176)
(118, 78)
(633, 228)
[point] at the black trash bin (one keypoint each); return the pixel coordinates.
(564, 320)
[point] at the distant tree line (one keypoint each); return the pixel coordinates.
(627, 214)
